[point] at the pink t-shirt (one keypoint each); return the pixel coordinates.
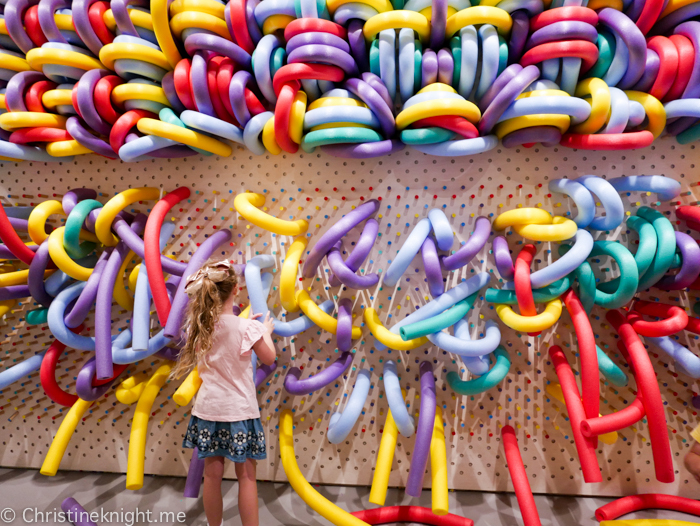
(227, 393)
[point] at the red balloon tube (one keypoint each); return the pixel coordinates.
(693, 325)
(516, 468)
(648, 385)
(152, 250)
(621, 419)
(12, 240)
(614, 421)
(648, 501)
(47, 373)
(572, 399)
(417, 514)
(590, 375)
(608, 141)
(523, 288)
(674, 319)
(689, 214)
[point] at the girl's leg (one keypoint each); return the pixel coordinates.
(213, 501)
(247, 492)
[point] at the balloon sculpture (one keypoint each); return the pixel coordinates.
(83, 264)
(138, 80)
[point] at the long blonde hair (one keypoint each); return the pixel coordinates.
(210, 287)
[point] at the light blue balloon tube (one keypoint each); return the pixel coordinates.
(341, 423)
(441, 228)
(681, 355)
(258, 300)
(122, 354)
(407, 252)
(465, 346)
(17, 372)
(477, 365)
(392, 387)
(141, 324)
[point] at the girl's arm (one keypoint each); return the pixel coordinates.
(264, 348)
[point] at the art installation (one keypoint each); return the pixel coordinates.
(78, 271)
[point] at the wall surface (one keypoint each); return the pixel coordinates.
(321, 189)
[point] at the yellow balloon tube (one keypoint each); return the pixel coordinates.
(320, 318)
(385, 457)
(63, 261)
(103, 224)
(139, 427)
(541, 322)
(248, 205)
(19, 277)
(63, 436)
(188, 388)
(268, 138)
(288, 276)
(129, 391)
(308, 494)
(438, 466)
(562, 228)
(161, 27)
(36, 223)
(6, 306)
(388, 338)
(276, 22)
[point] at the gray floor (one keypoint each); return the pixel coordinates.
(22, 489)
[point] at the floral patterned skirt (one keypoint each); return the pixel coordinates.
(236, 441)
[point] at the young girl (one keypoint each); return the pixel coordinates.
(225, 420)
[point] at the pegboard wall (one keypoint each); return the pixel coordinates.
(321, 189)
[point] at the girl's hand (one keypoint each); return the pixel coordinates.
(268, 323)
